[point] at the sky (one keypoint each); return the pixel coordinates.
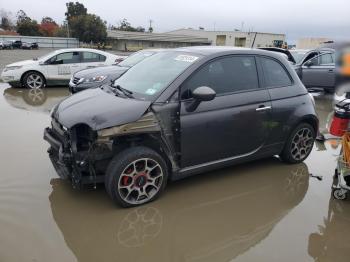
(296, 19)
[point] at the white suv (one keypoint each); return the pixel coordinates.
(55, 68)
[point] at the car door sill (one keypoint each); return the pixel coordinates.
(192, 169)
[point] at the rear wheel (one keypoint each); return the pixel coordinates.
(33, 80)
(136, 176)
(299, 144)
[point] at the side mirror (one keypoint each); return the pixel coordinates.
(308, 63)
(202, 93)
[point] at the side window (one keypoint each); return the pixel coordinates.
(224, 75)
(326, 59)
(66, 58)
(274, 73)
(89, 57)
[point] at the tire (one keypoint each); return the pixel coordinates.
(340, 194)
(33, 80)
(136, 176)
(298, 147)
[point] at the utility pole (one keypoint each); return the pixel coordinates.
(67, 21)
(150, 29)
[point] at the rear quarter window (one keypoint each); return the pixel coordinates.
(275, 75)
(89, 57)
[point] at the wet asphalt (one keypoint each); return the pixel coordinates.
(260, 211)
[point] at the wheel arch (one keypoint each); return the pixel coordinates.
(153, 141)
(32, 71)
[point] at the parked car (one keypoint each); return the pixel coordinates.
(1, 45)
(319, 71)
(315, 68)
(35, 45)
(17, 44)
(27, 45)
(7, 45)
(178, 113)
(286, 53)
(95, 77)
(55, 68)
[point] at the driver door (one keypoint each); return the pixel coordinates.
(233, 124)
(61, 67)
(319, 71)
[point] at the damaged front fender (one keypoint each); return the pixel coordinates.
(146, 124)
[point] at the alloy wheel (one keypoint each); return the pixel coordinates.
(35, 81)
(140, 181)
(302, 143)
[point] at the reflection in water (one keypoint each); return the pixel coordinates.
(324, 108)
(332, 242)
(139, 226)
(39, 100)
(211, 217)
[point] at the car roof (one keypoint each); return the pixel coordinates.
(222, 50)
(81, 50)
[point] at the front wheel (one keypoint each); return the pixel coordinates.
(33, 80)
(299, 144)
(136, 176)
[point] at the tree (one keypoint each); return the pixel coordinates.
(124, 25)
(21, 16)
(74, 10)
(6, 20)
(27, 26)
(48, 26)
(61, 31)
(48, 20)
(88, 28)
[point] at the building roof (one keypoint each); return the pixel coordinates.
(189, 30)
(164, 37)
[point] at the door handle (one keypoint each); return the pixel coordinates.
(263, 108)
(330, 70)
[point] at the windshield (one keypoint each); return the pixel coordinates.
(47, 56)
(132, 60)
(298, 55)
(150, 77)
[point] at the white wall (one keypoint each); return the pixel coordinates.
(49, 42)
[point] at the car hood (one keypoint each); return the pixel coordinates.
(98, 109)
(24, 63)
(104, 70)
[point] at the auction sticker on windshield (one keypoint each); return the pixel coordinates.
(186, 58)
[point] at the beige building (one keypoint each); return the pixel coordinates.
(235, 38)
(311, 43)
(134, 41)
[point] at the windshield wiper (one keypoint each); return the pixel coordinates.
(126, 92)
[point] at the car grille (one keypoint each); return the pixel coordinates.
(76, 80)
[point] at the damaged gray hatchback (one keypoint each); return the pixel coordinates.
(181, 112)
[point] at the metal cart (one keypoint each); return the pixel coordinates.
(341, 184)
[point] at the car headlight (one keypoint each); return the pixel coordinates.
(8, 68)
(95, 79)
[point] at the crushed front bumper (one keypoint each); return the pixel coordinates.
(68, 163)
(59, 154)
